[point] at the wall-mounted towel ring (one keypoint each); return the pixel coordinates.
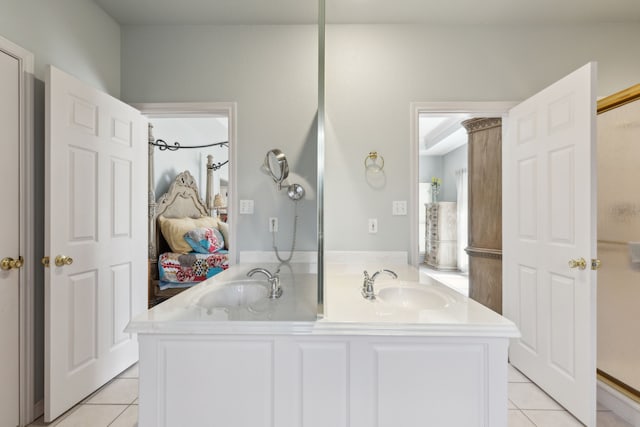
(374, 162)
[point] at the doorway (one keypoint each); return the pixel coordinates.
(199, 138)
(442, 198)
(438, 151)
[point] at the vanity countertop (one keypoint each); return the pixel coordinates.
(412, 305)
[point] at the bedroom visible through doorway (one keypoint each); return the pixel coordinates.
(191, 176)
(436, 131)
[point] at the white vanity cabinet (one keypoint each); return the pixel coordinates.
(441, 235)
(391, 361)
(315, 380)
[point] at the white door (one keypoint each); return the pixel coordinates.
(96, 228)
(549, 218)
(10, 240)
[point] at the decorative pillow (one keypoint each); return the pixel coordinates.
(174, 229)
(224, 229)
(204, 240)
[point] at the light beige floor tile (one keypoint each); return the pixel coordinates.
(118, 391)
(518, 419)
(129, 418)
(552, 418)
(609, 419)
(91, 415)
(132, 372)
(516, 376)
(530, 396)
(510, 405)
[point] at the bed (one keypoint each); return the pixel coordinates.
(187, 245)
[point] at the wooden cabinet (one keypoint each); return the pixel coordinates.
(485, 211)
(441, 235)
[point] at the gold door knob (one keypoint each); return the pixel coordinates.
(580, 263)
(45, 261)
(63, 260)
(9, 263)
(595, 264)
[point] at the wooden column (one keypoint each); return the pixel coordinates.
(485, 211)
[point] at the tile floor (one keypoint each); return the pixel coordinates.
(113, 405)
(116, 405)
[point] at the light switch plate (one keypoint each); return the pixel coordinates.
(399, 207)
(246, 207)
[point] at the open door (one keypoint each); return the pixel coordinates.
(95, 236)
(549, 239)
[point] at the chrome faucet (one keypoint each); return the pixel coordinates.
(275, 290)
(367, 286)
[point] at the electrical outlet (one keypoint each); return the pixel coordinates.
(373, 225)
(399, 207)
(246, 207)
(273, 225)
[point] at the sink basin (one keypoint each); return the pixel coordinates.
(234, 294)
(415, 298)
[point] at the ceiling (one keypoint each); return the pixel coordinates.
(496, 12)
(439, 134)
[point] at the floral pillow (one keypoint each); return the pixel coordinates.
(205, 240)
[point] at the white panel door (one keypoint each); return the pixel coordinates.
(549, 219)
(10, 241)
(95, 215)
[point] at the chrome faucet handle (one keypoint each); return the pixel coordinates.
(276, 290)
(367, 287)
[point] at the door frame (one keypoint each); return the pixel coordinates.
(28, 410)
(200, 109)
(489, 109)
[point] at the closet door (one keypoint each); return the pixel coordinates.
(10, 241)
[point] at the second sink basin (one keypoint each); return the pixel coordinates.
(234, 294)
(415, 297)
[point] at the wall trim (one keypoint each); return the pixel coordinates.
(28, 411)
(246, 257)
(208, 109)
(486, 109)
(618, 403)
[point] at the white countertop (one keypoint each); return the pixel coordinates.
(444, 312)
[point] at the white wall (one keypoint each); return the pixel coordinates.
(374, 72)
(189, 132)
(271, 72)
(76, 36)
(451, 162)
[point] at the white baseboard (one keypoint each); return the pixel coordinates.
(382, 258)
(270, 257)
(618, 403)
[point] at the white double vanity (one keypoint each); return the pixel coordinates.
(419, 354)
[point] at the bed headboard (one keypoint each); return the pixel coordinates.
(182, 200)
